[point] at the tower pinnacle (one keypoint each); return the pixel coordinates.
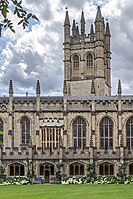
(38, 90)
(99, 14)
(10, 88)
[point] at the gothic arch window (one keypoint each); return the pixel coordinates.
(131, 169)
(25, 130)
(129, 133)
(76, 169)
(89, 60)
(1, 131)
(46, 167)
(106, 133)
(79, 133)
(75, 62)
(16, 170)
(106, 169)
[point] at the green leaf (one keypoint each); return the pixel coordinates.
(4, 12)
(34, 17)
(29, 15)
(20, 21)
(12, 30)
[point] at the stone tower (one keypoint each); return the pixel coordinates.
(87, 57)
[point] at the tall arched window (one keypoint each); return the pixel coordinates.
(1, 131)
(25, 130)
(129, 133)
(106, 133)
(76, 169)
(79, 133)
(75, 62)
(106, 169)
(89, 60)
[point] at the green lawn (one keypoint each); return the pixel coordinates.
(67, 192)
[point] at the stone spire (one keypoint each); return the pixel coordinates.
(107, 29)
(67, 21)
(65, 88)
(91, 33)
(10, 88)
(99, 14)
(82, 24)
(67, 28)
(74, 30)
(119, 88)
(38, 90)
(91, 30)
(93, 87)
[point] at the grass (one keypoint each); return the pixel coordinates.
(67, 192)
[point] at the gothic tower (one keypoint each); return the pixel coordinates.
(87, 57)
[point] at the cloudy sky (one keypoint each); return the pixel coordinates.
(37, 53)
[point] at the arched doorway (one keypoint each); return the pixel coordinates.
(46, 175)
(48, 171)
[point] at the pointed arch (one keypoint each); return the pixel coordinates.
(16, 169)
(106, 133)
(79, 128)
(75, 65)
(106, 168)
(89, 69)
(129, 133)
(25, 127)
(89, 60)
(76, 168)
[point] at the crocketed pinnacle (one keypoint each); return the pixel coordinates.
(107, 29)
(65, 88)
(99, 14)
(91, 141)
(67, 21)
(121, 140)
(38, 90)
(93, 87)
(119, 88)
(10, 87)
(91, 30)
(82, 24)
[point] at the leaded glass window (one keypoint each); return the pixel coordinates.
(106, 133)
(79, 133)
(25, 130)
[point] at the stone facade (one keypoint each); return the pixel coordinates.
(86, 125)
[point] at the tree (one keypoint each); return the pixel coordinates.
(15, 7)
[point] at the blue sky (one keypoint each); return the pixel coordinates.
(37, 53)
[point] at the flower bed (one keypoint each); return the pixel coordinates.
(16, 181)
(98, 180)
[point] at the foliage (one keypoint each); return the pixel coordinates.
(91, 172)
(121, 172)
(2, 170)
(58, 173)
(15, 6)
(98, 180)
(16, 181)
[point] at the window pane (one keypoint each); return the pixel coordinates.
(101, 143)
